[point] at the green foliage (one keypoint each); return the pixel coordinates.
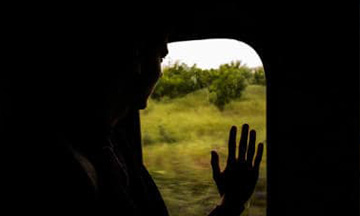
(228, 83)
(180, 133)
(166, 136)
(259, 76)
(224, 84)
(177, 81)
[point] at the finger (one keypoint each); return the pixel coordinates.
(215, 164)
(243, 142)
(232, 146)
(251, 148)
(259, 155)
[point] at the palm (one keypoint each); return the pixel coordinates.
(237, 182)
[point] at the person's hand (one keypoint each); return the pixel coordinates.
(237, 182)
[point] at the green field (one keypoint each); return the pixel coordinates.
(178, 135)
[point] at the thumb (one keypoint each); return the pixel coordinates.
(215, 164)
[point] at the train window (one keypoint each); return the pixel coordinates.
(206, 87)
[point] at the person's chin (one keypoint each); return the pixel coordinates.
(141, 101)
(142, 104)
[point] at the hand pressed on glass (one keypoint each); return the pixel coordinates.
(237, 181)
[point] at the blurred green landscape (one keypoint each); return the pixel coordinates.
(178, 134)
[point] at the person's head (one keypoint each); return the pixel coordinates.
(135, 84)
(148, 67)
(86, 78)
(79, 76)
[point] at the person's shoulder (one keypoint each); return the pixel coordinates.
(73, 172)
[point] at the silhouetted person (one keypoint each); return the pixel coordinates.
(86, 113)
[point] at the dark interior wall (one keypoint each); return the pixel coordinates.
(311, 121)
(311, 61)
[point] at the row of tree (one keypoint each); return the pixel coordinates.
(224, 84)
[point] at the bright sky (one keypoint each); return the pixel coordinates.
(211, 53)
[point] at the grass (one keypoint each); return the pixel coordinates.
(178, 135)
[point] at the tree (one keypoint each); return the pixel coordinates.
(177, 81)
(229, 81)
(224, 84)
(259, 76)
